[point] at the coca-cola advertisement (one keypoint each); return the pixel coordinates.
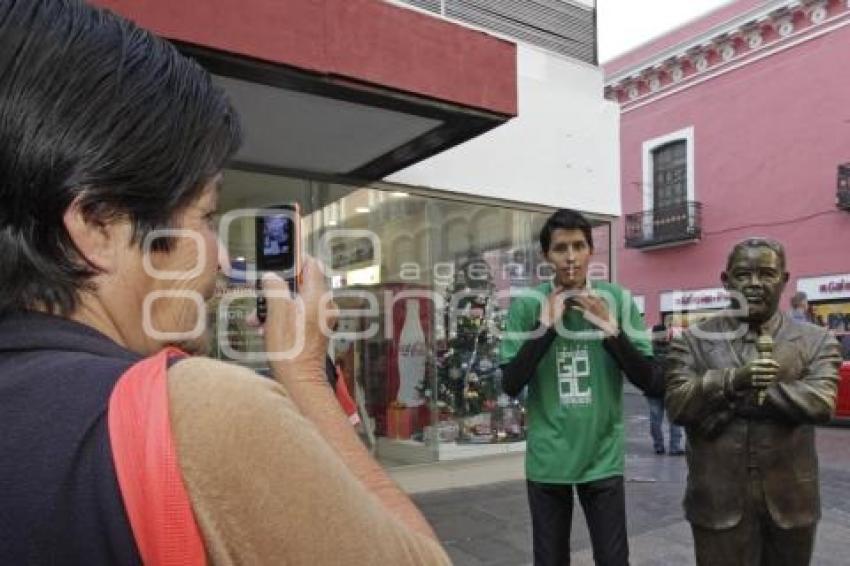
(408, 357)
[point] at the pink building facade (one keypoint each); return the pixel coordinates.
(736, 125)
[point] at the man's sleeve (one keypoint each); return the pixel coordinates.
(696, 396)
(810, 399)
(632, 349)
(264, 485)
(636, 326)
(524, 344)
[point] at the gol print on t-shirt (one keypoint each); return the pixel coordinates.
(573, 366)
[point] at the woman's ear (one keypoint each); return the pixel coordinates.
(98, 242)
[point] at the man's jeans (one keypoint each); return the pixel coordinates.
(604, 505)
(656, 420)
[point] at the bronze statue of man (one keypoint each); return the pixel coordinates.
(752, 496)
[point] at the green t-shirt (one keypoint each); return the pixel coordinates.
(575, 398)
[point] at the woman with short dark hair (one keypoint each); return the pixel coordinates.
(111, 151)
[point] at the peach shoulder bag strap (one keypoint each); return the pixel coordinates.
(145, 458)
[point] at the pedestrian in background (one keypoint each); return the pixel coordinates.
(845, 346)
(660, 346)
(800, 307)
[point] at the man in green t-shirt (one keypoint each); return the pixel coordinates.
(569, 341)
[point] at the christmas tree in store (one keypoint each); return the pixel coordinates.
(468, 373)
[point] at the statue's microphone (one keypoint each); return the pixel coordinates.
(764, 345)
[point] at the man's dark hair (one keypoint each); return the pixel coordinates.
(565, 219)
(94, 108)
(769, 243)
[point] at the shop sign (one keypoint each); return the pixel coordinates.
(700, 299)
(825, 288)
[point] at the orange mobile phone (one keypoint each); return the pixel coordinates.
(278, 247)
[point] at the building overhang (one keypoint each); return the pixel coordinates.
(349, 90)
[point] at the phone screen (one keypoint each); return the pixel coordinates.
(277, 247)
(276, 243)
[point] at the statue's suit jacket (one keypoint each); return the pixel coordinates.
(729, 431)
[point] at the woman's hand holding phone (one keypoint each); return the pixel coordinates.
(298, 324)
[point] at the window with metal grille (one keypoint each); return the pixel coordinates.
(561, 26)
(670, 175)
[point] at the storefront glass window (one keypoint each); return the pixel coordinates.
(424, 284)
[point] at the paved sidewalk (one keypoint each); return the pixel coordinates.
(480, 513)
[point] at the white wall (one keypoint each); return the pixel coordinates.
(562, 150)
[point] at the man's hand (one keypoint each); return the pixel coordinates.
(553, 309)
(595, 311)
(758, 374)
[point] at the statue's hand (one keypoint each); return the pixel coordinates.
(758, 374)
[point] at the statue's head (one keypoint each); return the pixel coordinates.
(755, 270)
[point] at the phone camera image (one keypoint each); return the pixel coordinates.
(277, 242)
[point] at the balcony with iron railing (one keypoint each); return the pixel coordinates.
(842, 195)
(664, 227)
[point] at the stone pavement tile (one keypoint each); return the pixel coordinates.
(459, 557)
(831, 545)
(653, 506)
(835, 488)
(580, 536)
(669, 546)
(493, 551)
(839, 517)
(463, 525)
(511, 507)
(642, 465)
(520, 539)
(503, 504)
